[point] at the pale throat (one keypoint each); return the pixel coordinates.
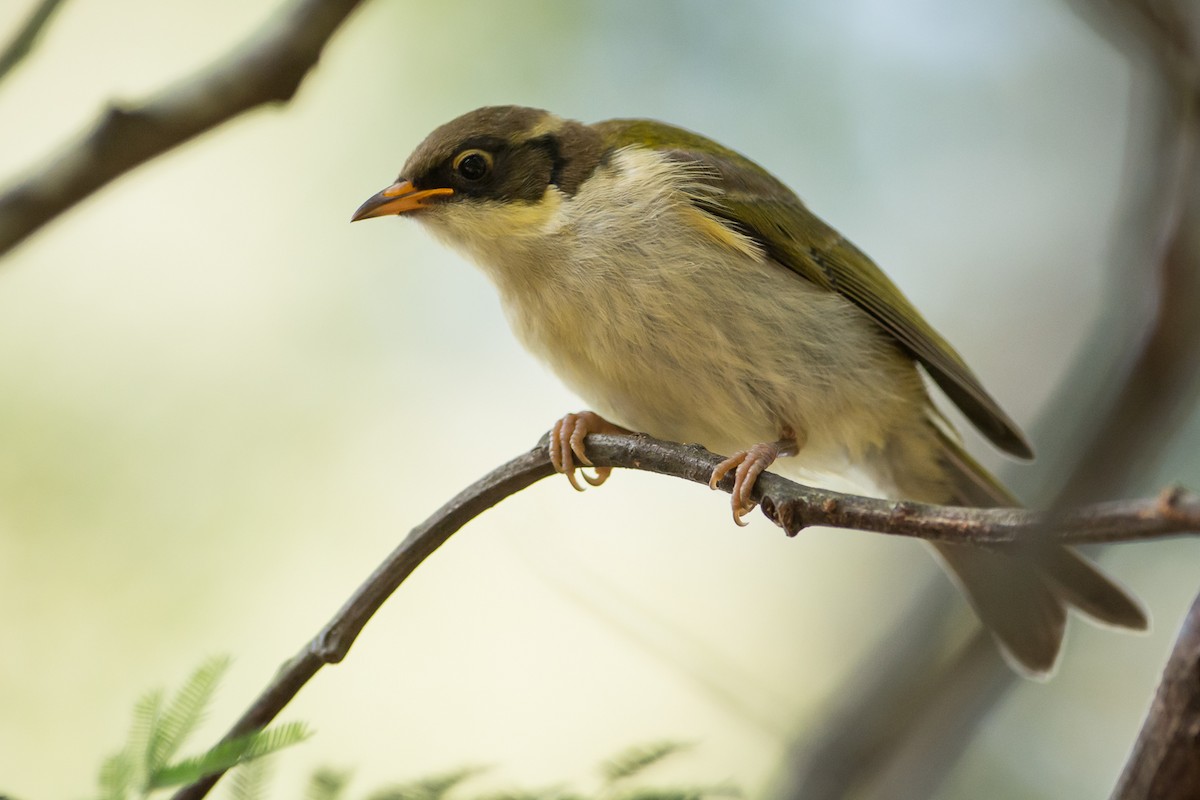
(513, 243)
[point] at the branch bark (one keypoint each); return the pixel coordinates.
(332, 643)
(267, 69)
(1173, 512)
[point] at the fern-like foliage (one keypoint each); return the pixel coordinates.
(637, 759)
(184, 714)
(632, 762)
(618, 774)
(680, 793)
(434, 787)
(229, 753)
(554, 793)
(149, 760)
(117, 777)
(122, 773)
(327, 784)
(160, 729)
(250, 781)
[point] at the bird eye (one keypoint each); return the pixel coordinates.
(473, 164)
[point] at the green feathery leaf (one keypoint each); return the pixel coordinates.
(665, 793)
(638, 758)
(554, 793)
(184, 714)
(227, 754)
(117, 776)
(434, 787)
(679, 793)
(249, 781)
(327, 784)
(124, 773)
(146, 714)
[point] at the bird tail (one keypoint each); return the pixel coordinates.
(1022, 596)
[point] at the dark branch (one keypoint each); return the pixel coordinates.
(267, 69)
(1173, 512)
(26, 37)
(333, 641)
(794, 507)
(1166, 759)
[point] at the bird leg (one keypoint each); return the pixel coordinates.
(566, 445)
(747, 465)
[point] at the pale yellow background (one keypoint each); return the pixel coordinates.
(221, 404)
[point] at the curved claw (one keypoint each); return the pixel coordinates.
(746, 465)
(567, 448)
(600, 477)
(561, 455)
(574, 481)
(722, 469)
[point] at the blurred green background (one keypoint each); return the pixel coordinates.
(221, 405)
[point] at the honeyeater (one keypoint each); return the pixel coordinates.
(684, 292)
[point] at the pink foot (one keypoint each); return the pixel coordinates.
(747, 465)
(566, 446)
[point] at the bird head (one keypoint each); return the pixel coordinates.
(491, 172)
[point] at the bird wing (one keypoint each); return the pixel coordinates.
(760, 206)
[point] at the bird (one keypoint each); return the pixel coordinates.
(684, 292)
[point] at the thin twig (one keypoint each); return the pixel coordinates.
(1174, 512)
(267, 69)
(26, 37)
(333, 641)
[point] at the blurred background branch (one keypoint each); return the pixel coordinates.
(897, 727)
(1165, 762)
(268, 68)
(1162, 384)
(26, 37)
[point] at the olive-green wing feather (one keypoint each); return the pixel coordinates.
(801, 241)
(759, 205)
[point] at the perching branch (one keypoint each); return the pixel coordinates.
(267, 69)
(1175, 511)
(792, 505)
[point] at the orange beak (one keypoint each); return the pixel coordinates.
(399, 198)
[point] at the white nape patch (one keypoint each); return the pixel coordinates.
(550, 123)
